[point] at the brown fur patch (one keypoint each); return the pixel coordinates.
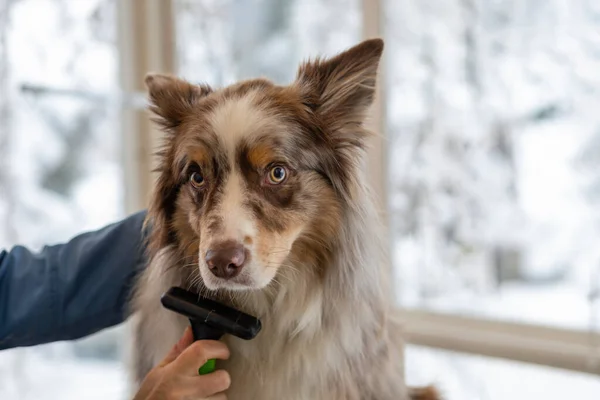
(425, 393)
(260, 156)
(199, 155)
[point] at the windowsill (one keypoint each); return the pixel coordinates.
(560, 348)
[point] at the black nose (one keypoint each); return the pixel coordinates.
(226, 260)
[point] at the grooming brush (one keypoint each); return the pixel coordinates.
(209, 319)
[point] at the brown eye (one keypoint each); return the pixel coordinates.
(196, 179)
(277, 175)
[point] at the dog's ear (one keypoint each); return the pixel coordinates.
(171, 98)
(342, 88)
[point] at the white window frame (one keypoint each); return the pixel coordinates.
(147, 44)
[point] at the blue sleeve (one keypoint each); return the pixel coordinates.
(69, 290)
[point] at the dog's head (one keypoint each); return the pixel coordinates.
(255, 174)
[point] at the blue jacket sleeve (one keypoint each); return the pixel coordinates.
(69, 290)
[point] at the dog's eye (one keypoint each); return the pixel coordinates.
(277, 175)
(196, 179)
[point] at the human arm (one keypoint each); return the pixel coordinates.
(71, 290)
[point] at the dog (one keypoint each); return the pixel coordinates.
(261, 202)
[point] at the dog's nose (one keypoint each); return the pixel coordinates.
(227, 260)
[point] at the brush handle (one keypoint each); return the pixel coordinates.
(203, 331)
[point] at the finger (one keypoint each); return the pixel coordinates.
(212, 384)
(199, 353)
(186, 340)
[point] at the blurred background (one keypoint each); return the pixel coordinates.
(489, 167)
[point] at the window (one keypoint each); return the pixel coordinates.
(494, 138)
(493, 188)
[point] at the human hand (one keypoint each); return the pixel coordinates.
(176, 377)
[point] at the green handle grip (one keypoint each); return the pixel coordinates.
(207, 368)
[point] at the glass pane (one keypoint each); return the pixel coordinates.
(222, 41)
(467, 377)
(60, 170)
(494, 133)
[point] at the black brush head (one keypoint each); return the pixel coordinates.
(209, 312)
